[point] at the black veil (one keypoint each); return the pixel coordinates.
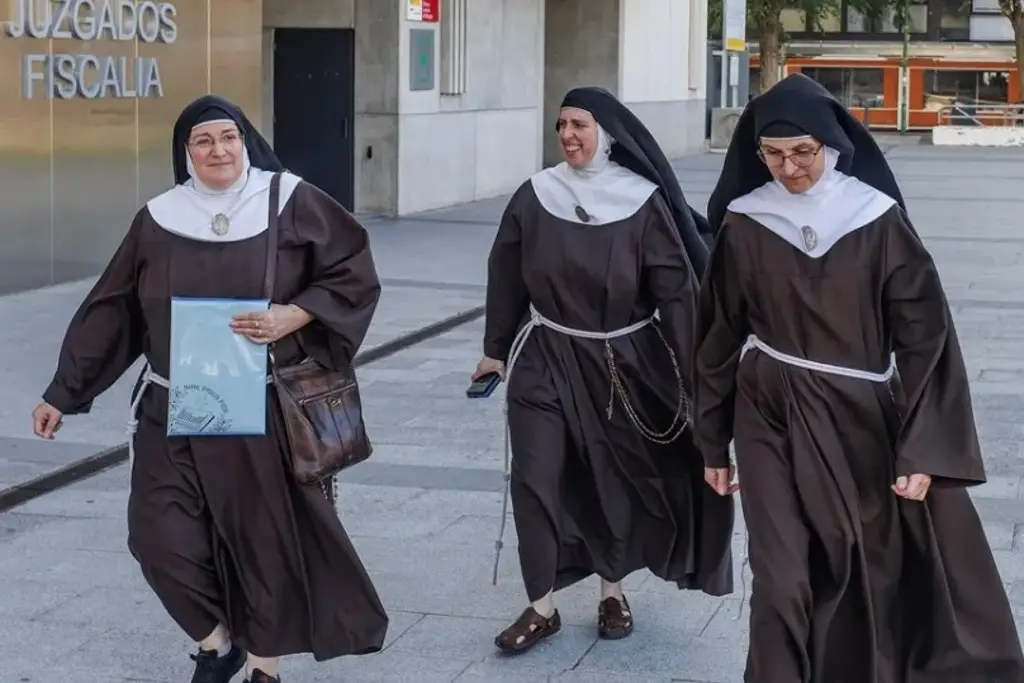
(798, 101)
(637, 150)
(211, 108)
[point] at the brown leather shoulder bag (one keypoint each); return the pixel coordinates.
(323, 413)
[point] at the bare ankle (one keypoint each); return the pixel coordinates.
(611, 590)
(545, 606)
(217, 641)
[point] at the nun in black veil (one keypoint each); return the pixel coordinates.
(251, 565)
(826, 349)
(605, 478)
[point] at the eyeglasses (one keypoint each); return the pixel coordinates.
(205, 143)
(803, 158)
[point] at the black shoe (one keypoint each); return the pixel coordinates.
(260, 677)
(213, 669)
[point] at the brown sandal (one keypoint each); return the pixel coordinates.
(614, 619)
(528, 630)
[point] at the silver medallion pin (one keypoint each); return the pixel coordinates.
(810, 237)
(220, 224)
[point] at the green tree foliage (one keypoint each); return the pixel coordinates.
(764, 20)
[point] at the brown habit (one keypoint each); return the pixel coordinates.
(221, 531)
(851, 583)
(591, 495)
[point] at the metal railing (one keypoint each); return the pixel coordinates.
(982, 114)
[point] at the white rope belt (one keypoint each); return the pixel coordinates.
(538, 320)
(753, 342)
(148, 378)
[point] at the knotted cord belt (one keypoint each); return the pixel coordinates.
(680, 420)
(754, 342)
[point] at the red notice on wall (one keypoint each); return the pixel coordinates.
(427, 11)
(431, 11)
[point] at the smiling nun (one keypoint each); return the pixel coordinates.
(604, 476)
(250, 564)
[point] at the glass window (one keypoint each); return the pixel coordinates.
(952, 86)
(994, 86)
(886, 22)
(856, 22)
(919, 18)
(865, 88)
(967, 93)
(854, 87)
(830, 22)
(828, 76)
(793, 20)
(954, 19)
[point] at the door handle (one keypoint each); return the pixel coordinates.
(344, 127)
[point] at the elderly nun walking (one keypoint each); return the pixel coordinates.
(249, 563)
(826, 349)
(604, 476)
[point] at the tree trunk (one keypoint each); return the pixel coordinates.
(770, 53)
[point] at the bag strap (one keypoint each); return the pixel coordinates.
(271, 268)
(272, 221)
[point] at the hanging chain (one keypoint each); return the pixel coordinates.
(683, 409)
(329, 487)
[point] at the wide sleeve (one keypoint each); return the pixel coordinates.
(507, 300)
(937, 435)
(106, 334)
(342, 286)
(718, 340)
(669, 279)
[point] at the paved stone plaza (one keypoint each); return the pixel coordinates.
(424, 512)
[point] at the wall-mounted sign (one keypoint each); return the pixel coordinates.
(734, 25)
(421, 59)
(428, 11)
(69, 75)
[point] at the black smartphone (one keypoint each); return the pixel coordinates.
(484, 386)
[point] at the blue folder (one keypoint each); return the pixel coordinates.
(218, 379)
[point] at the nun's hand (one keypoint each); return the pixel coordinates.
(266, 327)
(46, 421)
(487, 366)
(914, 487)
(721, 479)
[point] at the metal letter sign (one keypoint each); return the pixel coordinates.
(66, 73)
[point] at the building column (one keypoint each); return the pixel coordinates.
(450, 109)
(658, 42)
(649, 53)
(379, 59)
(581, 48)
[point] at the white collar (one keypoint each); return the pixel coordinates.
(815, 220)
(187, 210)
(606, 191)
